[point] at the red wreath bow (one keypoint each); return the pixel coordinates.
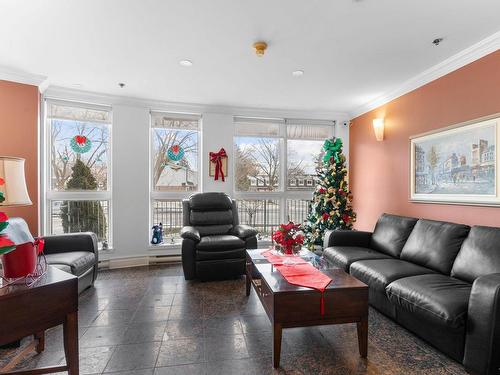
(216, 157)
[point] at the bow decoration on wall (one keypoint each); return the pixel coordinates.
(216, 157)
(332, 149)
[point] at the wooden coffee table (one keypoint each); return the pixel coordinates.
(288, 306)
(26, 311)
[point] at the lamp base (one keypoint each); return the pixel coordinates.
(20, 262)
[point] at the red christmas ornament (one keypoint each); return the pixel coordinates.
(346, 218)
(322, 190)
(325, 216)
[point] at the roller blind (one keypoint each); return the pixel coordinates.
(309, 129)
(61, 110)
(260, 127)
(175, 120)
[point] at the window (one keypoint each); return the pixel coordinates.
(175, 153)
(78, 193)
(304, 152)
(275, 163)
(257, 150)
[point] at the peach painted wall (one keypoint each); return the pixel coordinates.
(379, 171)
(19, 137)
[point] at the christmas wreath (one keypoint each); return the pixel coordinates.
(80, 144)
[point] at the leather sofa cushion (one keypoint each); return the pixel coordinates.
(391, 232)
(78, 261)
(220, 242)
(434, 244)
(344, 256)
(212, 201)
(378, 273)
(211, 217)
(437, 298)
(479, 255)
(225, 254)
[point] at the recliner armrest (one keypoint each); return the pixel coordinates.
(344, 237)
(191, 233)
(482, 341)
(244, 231)
(64, 243)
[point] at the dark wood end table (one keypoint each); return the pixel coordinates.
(288, 306)
(26, 311)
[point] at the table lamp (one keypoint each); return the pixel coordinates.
(17, 260)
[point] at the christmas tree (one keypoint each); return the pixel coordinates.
(331, 206)
(84, 215)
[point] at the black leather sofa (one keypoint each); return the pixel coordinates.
(439, 280)
(76, 253)
(213, 241)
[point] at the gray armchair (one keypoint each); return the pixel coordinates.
(213, 241)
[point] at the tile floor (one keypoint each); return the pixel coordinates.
(149, 321)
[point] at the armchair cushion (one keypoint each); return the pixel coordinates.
(190, 232)
(64, 243)
(244, 231)
(220, 242)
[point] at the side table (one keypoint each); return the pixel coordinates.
(26, 311)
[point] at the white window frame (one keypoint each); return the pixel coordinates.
(283, 193)
(172, 195)
(50, 195)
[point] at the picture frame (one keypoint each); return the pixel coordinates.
(211, 167)
(458, 164)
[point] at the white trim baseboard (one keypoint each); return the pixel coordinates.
(462, 58)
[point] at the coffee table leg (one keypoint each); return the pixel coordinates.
(70, 330)
(40, 346)
(363, 337)
(248, 281)
(277, 329)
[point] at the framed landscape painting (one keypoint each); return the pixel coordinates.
(458, 164)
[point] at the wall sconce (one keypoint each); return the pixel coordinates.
(378, 128)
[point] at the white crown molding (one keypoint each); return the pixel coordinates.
(57, 92)
(462, 58)
(14, 75)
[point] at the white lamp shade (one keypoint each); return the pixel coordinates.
(378, 128)
(14, 188)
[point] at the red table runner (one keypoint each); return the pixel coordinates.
(298, 272)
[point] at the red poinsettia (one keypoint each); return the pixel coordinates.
(288, 235)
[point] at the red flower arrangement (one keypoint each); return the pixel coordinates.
(288, 236)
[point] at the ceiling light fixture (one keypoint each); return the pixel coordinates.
(260, 48)
(186, 63)
(298, 73)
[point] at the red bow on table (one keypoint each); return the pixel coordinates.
(216, 157)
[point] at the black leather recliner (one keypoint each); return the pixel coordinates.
(213, 241)
(440, 280)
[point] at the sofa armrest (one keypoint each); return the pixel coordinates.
(344, 237)
(191, 233)
(482, 341)
(65, 243)
(244, 231)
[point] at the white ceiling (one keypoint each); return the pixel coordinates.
(351, 51)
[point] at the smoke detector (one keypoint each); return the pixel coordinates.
(260, 48)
